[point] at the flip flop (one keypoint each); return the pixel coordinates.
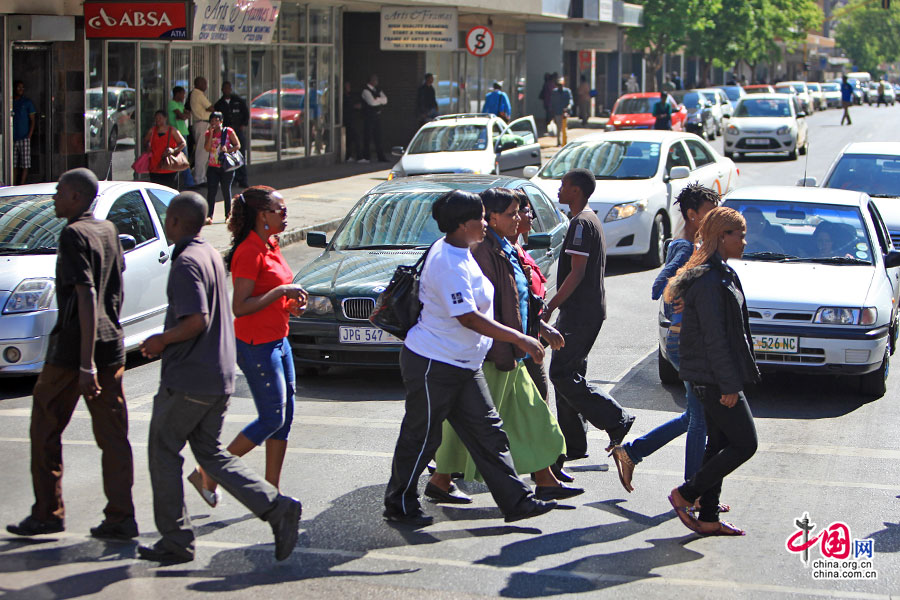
(682, 513)
(210, 497)
(725, 529)
(723, 508)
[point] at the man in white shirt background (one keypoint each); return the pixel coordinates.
(373, 100)
(201, 108)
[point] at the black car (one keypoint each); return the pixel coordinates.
(390, 226)
(700, 118)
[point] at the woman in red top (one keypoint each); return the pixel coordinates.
(162, 140)
(263, 300)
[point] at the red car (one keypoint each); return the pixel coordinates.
(264, 114)
(759, 88)
(635, 111)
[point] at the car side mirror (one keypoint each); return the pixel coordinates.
(316, 239)
(726, 116)
(397, 151)
(892, 259)
(530, 171)
(537, 241)
(807, 182)
(128, 242)
(801, 114)
(506, 146)
(679, 173)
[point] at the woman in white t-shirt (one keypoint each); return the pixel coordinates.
(441, 367)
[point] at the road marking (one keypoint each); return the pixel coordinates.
(654, 579)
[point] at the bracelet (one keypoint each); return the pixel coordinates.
(91, 371)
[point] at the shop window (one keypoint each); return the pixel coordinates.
(265, 115)
(123, 135)
(95, 109)
(292, 23)
(293, 102)
(154, 94)
(320, 100)
(320, 23)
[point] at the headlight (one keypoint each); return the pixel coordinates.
(784, 129)
(319, 305)
(625, 210)
(694, 118)
(836, 315)
(31, 295)
(733, 130)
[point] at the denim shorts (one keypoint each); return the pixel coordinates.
(269, 370)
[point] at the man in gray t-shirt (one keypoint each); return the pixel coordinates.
(198, 358)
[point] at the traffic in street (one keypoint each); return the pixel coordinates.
(823, 475)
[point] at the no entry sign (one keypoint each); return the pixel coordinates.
(479, 41)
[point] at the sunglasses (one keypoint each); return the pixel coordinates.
(282, 211)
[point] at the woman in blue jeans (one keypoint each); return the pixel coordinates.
(263, 300)
(695, 202)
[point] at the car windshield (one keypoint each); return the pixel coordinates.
(798, 87)
(606, 160)
(759, 90)
(635, 106)
(814, 87)
(449, 138)
(267, 100)
(733, 93)
(763, 107)
(390, 220)
(291, 101)
(95, 100)
(784, 89)
(28, 225)
(803, 232)
(690, 99)
(875, 174)
(831, 87)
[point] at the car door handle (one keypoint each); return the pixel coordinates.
(163, 257)
(535, 153)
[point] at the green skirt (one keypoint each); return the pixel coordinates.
(535, 439)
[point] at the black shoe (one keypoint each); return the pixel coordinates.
(556, 492)
(286, 516)
(452, 496)
(123, 530)
(417, 518)
(165, 554)
(617, 435)
(533, 508)
(30, 526)
(558, 472)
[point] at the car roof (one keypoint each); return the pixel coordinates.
(446, 182)
(637, 135)
(757, 85)
(790, 193)
(104, 187)
(639, 95)
(767, 95)
(872, 148)
(790, 82)
(479, 118)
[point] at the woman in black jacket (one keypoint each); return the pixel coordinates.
(717, 359)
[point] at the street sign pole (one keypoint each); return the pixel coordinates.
(480, 83)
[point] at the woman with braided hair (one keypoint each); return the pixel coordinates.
(717, 360)
(263, 300)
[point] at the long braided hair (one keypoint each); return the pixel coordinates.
(713, 227)
(244, 209)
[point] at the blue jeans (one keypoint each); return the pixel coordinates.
(269, 369)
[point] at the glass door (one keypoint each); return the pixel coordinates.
(155, 90)
(123, 137)
(31, 144)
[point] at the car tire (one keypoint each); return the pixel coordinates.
(874, 384)
(804, 149)
(655, 254)
(667, 373)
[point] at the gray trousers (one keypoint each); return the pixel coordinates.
(180, 418)
(436, 391)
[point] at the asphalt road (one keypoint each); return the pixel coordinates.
(824, 451)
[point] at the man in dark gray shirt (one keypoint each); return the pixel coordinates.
(197, 378)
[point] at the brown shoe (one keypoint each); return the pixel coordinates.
(624, 465)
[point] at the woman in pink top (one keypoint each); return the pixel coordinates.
(219, 140)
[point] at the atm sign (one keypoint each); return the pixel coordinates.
(143, 20)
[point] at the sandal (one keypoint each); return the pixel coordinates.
(210, 497)
(682, 513)
(625, 467)
(723, 508)
(725, 529)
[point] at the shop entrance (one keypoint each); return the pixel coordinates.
(31, 65)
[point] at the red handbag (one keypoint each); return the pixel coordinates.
(142, 164)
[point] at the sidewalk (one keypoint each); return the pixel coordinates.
(318, 199)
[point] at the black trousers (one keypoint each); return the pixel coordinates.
(577, 399)
(168, 179)
(372, 133)
(217, 177)
(436, 391)
(352, 133)
(730, 443)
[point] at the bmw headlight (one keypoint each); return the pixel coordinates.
(836, 315)
(319, 305)
(625, 210)
(31, 295)
(783, 130)
(733, 130)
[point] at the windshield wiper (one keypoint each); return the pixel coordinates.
(884, 195)
(767, 256)
(37, 250)
(387, 247)
(833, 260)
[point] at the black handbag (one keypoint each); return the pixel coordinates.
(231, 161)
(536, 306)
(397, 308)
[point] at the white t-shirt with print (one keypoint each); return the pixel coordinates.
(451, 285)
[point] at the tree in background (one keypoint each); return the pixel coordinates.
(868, 34)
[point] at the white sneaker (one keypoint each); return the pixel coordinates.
(363, 161)
(350, 160)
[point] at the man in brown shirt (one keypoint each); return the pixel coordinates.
(85, 357)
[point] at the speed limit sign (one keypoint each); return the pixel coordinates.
(479, 41)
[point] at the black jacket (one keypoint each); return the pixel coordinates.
(235, 113)
(715, 346)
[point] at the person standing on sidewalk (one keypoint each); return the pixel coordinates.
(163, 140)
(263, 299)
(846, 100)
(581, 298)
(196, 381)
(561, 108)
(85, 357)
(236, 115)
(179, 116)
(201, 108)
(219, 140)
(497, 103)
(24, 113)
(583, 94)
(426, 101)
(441, 367)
(717, 359)
(373, 101)
(351, 107)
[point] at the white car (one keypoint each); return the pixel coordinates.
(469, 143)
(29, 232)
(832, 92)
(818, 95)
(767, 123)
(799, 87)
(639, 174)
(721, 107)
(821, 281)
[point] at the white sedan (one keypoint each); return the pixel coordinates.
(821, 280)
(639, 174)
(29, 232)
(767, 123)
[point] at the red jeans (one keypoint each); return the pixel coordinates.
(55, 396)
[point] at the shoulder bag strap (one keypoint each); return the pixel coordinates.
(420, 264)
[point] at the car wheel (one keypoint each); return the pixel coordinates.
(113, 138)
(874, 384)
(667, 373)
(804, 149)
(655, 254)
